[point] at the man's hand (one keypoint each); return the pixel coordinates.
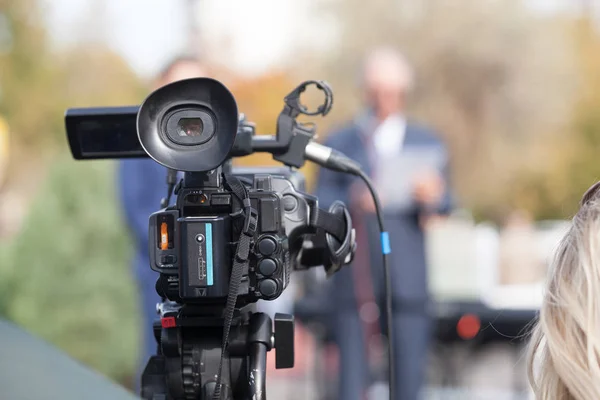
(428, 188)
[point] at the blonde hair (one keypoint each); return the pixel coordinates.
(564, 359)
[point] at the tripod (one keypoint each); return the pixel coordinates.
(189, 341)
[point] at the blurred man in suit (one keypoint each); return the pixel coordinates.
(142, 185)
(408, 164)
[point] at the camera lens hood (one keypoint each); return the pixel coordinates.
(203, 104)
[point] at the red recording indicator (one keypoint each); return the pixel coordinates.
(168, 322)
(468, 326)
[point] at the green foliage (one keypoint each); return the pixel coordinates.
(66, 276)
(583, 165)
(569, 165)
(38, 84)
(29, 78)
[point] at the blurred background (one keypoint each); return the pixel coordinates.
(513, 85)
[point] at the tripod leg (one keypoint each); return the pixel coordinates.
(258, 371)
(259, 341)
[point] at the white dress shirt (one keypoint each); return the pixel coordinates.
(390, 176)
(388, 137)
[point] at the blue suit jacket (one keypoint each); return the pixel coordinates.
(141, 188)
(408, 262)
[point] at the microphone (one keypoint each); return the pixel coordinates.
(331, 159)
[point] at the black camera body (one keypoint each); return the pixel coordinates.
(229, 240)
(192, 244)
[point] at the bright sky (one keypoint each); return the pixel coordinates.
(255, 34)
(144, 31)
(249, 35)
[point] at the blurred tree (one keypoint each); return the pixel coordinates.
(65, 276)
(490, 77)
(28, 75)
(572, 160)
(261, 98)
(93, 75)
(583, 166)
(37, 84)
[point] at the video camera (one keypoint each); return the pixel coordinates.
(230, 239)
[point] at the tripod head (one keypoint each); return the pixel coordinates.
(190, 347)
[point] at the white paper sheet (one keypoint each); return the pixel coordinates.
(395, 176)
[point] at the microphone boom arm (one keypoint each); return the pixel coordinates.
(292, 138)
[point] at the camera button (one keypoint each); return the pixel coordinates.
(267, 246)
(290, 203)
(267, 266)
(168, 259)
(268, 287)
